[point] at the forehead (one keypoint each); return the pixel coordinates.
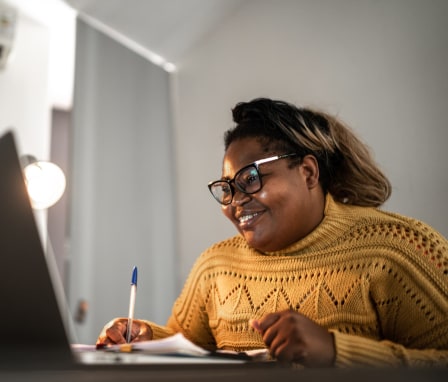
(240, 153)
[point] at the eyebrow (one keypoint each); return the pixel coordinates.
(261, 161)
(257, 162)
(236, 172)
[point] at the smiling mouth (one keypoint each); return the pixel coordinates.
(245, 219)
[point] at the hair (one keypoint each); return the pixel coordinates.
(347, 169)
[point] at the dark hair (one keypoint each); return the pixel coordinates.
(346, 166)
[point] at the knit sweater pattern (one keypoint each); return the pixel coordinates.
(378, 281)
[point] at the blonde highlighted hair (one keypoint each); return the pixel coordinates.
(346, 165)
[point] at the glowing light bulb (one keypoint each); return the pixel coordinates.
(45, 183)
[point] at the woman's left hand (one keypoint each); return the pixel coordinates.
(292, 337)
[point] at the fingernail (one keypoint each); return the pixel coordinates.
(254, 324)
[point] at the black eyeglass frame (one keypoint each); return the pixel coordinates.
(254, 165)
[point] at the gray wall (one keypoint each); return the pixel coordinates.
(122, 185)
(381, 65)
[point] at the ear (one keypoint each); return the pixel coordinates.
(310, 168)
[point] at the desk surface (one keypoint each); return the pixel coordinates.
(221, 373)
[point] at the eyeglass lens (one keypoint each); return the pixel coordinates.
(247, 180)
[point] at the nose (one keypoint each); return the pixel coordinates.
(239, 198)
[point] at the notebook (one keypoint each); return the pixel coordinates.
(34, 318)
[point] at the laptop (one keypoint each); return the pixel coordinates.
(36, 329)
(31, 321)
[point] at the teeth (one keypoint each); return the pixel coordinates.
(245, 218)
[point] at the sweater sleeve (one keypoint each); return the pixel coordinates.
(409, 290)
(356, 351)
(189, 315)
(160, 331)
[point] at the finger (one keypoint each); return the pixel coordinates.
(115, 336)
(270, 335)
(103, 338)
(103, 342)
(282, 351)
(255, 324)
(140, 331)
(144, 333)
(267, 321)
(116, 332)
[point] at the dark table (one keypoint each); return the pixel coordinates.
(251, 372)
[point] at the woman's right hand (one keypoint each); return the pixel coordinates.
(114, 332)
(292, 337)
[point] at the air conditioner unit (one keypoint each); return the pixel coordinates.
(8, 18)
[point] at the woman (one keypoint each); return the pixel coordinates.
(318, 274)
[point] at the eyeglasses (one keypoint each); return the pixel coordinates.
(246, 180)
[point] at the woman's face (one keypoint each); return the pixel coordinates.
(289, 205)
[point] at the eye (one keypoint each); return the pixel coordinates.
(225, 188)
(250, 176)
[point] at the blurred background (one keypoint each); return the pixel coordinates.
(131, 99)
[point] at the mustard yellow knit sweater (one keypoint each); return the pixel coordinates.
(378, 281)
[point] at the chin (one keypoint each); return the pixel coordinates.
(257, 244)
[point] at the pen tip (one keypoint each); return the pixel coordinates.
(134, 276)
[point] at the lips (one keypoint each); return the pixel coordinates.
(246, 219)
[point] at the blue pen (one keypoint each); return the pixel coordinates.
(131, 304)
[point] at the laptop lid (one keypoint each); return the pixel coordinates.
(34, 319)
(31, 321)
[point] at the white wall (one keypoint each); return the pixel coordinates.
(38, 76)
(24, 99)
(58, 19)
(381, 65)
(122, 194)
(39, 73)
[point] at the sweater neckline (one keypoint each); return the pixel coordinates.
(330, 228)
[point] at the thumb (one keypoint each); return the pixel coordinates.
(255, 324)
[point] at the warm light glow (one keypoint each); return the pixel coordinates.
(45, 183)
(169, 67)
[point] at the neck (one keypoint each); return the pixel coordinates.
(317, 212)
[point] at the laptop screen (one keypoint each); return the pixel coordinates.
(33, 330)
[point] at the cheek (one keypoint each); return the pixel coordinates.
(227, 211)
(273, 197)
(282, 203)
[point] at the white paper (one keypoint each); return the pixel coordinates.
(163, 350)
(176, 344)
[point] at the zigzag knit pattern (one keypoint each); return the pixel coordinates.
(377, 280)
